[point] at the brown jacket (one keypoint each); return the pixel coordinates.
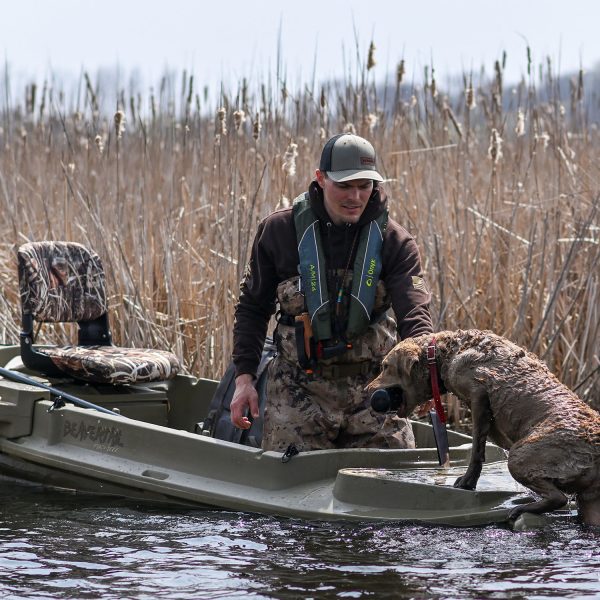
(275, 259)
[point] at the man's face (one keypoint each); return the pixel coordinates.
(345, 201)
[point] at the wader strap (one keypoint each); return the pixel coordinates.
(367, 269)
(312, 267)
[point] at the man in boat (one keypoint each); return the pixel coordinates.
(335, 263)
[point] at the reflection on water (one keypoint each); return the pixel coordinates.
(61, 545)
(494, 476)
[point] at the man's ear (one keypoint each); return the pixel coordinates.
(320, 177)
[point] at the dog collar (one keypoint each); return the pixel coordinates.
(433, 373)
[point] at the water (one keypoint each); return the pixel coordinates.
(63, 545)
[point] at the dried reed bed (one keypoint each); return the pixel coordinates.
(499, 186)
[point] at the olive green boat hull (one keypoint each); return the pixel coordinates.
(151, 452)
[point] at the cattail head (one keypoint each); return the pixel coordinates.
(580, 86)
(370, 121)
(371, 57)
(119, 123)
(349, 128)
(400, 72)
(99, 143)
(498, 70)
(495, 149)
(239, 116)
(470, 96)
(256, 127)
(434, 90)
(221, 124)
(520, 126)
(544, 138)
(289, 159)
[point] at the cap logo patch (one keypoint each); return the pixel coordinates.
(367, 160)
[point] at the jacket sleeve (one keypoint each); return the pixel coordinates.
(255, 306)
(403, 277)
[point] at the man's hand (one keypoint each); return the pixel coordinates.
(245, 397)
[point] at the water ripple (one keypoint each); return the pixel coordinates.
(55, 545)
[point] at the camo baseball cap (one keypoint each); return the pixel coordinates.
(347, 156)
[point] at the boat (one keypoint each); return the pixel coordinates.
(151, 444)
(95, 418)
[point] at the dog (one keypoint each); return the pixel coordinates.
(552, 436)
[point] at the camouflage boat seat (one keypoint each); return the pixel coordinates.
(64, 282)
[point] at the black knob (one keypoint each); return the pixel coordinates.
(380, 401)
(388, 400)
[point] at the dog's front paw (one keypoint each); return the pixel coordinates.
(516, 512)
(466, 482)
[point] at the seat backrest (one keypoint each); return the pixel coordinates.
(61, 282)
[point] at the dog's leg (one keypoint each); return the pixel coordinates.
(524, 466)
(589, 509)
(482, 416)
(552, 498)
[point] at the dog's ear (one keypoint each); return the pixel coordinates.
(408, 358)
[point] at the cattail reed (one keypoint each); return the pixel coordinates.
(495, 148)
(99, 143)
(498, 71)
(371, 57)
(256, 127)
(221, 124)
(505, 223)
(323, 99)
(289, 159)
(239, 116)
(433, 89)
(400, 70)
(470, 96)
(520, 126)
(119, 124)
(371, 121)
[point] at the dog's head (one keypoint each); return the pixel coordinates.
(404, 368)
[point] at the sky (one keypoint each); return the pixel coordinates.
(223, 41)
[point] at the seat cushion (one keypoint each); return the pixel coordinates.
(114, 365)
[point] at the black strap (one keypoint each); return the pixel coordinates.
(218, 420)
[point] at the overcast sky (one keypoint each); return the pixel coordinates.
(229, 39)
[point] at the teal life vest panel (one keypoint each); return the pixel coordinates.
(366, 272)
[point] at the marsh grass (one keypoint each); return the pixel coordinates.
(499, 186)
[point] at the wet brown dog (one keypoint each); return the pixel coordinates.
(552, 436)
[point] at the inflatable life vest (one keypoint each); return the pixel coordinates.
(366, 271)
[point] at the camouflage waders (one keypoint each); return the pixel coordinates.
(329, 409)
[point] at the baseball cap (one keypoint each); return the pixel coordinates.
(347, 156)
